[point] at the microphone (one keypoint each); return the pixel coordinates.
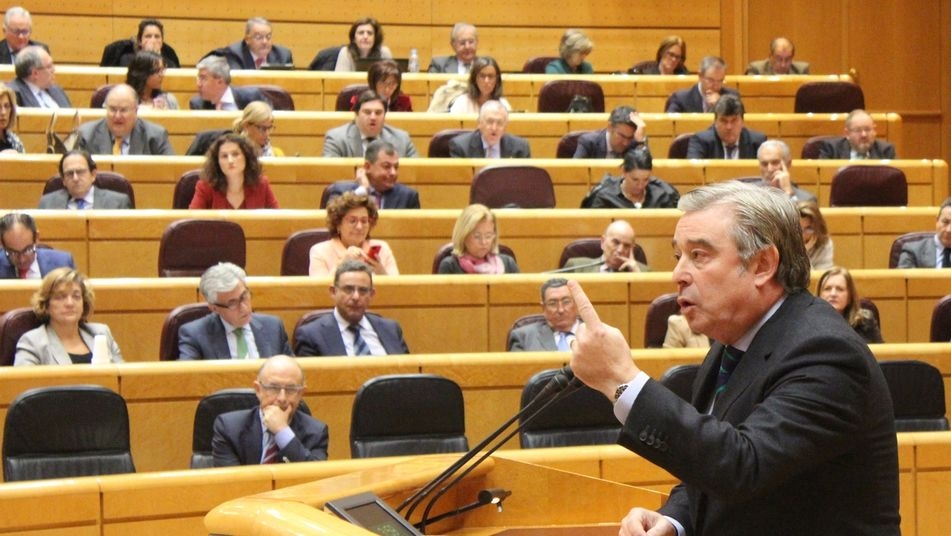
(486, 496)
(598, 262)
(561, 385)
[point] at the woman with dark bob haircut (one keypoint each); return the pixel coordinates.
(485, 84)
(146, 74)
(350, 218)
(231, 177)
(366, 41)
(151, 36)
(385, 78)
(63, 304)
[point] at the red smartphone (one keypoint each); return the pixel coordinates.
(374, 252)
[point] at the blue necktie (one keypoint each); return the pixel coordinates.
(81, 204)
(562, 344)
(728, 362)
(359, 345)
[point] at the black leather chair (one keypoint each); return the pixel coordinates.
(325, 59)
(537, 64)
(107, 180)
(643, 66)
(66, 431)
(828, 98)
(655, 323)
(869, 186)
(584, 417)
(98, 98)
(569, 143)
(306, 318)
(679, 379)
(810, 150)
(189, 247)
(345, 99)
(279, 97)
(402, 414)
(13, 324)
(446, 250)
(894, 253)
(591, 247)
(295, 257)
(678, 147)
(917, 390)
(941, 320)
(522, 321)
(201, 143)
(512, 186)
(181, 315)
(556, 95)
(185, 189)
(439, 144)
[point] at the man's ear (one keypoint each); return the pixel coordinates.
(764, 265)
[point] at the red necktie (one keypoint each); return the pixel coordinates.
(24, 273)
(258, 62)
(270, 455)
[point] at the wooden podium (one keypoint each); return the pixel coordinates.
(543, 501)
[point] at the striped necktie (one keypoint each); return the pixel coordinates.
(728, 362)
(270, 454)
(359, 345)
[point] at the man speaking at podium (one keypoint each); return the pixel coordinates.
(790, 429)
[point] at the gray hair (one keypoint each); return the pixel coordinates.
(13, 12)
(27, 59)
(255, 20)
(351, 265)
(458, 27)
(379, 146)
(780, 144)
(711, 61)
(222, 277)
(492, 106)
(555, 282)
(763, 217)
(217, 66)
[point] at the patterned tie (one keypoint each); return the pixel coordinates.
(946, 258)
(80, 204)
(270, 454)
(563, 342)
(117, 147)
(359, 345)
(729, 361)
(730, 152)
(242, 343)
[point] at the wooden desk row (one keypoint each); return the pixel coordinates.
(302, 133)
(460, 314)
(125, 243)
(317, 90)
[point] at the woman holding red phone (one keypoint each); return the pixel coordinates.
(350, 218)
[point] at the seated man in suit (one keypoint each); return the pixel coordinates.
(775, 161)
(859, 142)
(122, 132)
(617, 246)
(637, 187)
(780, 60)
(257, 49)
(21, 258)
(78, 171)
(33, 84)
(215, 91)
(369, 124)
(464, 40)
(727, 139)
(625, 131)
(377, 177)
(561, 322)
(17, 28)
(275, 431)
(350, 329)
(489, 140)
(702, 97)
(933, 251)
(232, 331)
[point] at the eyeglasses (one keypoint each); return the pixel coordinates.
(479, 237)
(28, 251)
(21, 33)
(673, 55)
(711, 80)
(355, 221)
(564, 303)
(264, 129)
(116, 110)
(274, 390)
(350, 289)
(862, 130)
(261, 37)
(233, 305)
(67, 173)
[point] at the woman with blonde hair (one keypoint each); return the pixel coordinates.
(350, 218)
(9, 141)
(815, 235)
(63, 304)
(573, 49)
(837, 287)
(475, 245)
(256, 124)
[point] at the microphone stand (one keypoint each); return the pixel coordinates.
(598, 262)
(486, 496)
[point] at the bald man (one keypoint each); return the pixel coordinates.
(617, 247)
(122, 132)
(780, 60)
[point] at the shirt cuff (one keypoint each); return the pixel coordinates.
(284, 437)
(623, 405)
(680, 528)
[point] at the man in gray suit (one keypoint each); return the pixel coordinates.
(933, 251)
(490, 139)
(561, 322)
(617, 246)
(232, 331)
(351, 140)
(464, 40)
(780, 60)
(122, 132)
(34, 85)
(78, 171)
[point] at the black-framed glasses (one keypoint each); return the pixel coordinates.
(233, 305)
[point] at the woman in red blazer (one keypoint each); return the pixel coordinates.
(231, 177)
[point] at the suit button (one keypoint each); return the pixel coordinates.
(643, 435)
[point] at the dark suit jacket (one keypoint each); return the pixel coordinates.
(203, 140)
(469, 145)
(535, 337)
(26, 98)
(841, 150)
(322, 337)
(101, 199)
(804, 431)
(48, 259)
(765, 67)
(690, 100)
(238, 437)
(444, 64)
(147, 138)
(239, 56)
(595, 145)
(242, 96)
(919, 254)
(205, 338)
(399, 196)
(6, 56)
(707, 144)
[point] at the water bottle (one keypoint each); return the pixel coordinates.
(413, 61)
(101, 353)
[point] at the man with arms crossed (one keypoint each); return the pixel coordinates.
(800, 438)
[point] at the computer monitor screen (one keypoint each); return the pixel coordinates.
(368, 511)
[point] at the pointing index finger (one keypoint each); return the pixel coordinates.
(583, 304)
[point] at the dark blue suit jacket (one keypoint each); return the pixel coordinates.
(205, 338)
(242, 96)
(400, 196)
(690, 100)
(595, 145)
(322, 337)
(48, 259)
(469, 145)
(707, 144)
(239, 56)
(238, 437)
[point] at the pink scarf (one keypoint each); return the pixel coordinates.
(492, 264)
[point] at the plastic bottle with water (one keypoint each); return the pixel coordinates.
(413, 64)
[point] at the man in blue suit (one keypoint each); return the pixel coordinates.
(21, 258)
(257, 48)
(350, 329)
(702, 97)
(625, 131)
(232, 331)
(377, 178)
